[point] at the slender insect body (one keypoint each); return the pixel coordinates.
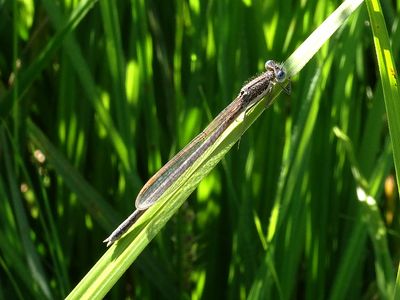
(249, 95)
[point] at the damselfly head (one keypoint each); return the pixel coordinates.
(279, 70)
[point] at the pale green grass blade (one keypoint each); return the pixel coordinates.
(314, 42)
(389, 77)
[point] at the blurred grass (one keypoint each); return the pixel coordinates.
(95, 97)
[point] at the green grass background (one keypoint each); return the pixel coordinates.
(96, 96)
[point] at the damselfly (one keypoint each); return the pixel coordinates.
(249, 95)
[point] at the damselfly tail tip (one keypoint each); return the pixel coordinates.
(109, 241)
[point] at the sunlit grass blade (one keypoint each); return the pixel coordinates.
(314, 42)
(388, 75)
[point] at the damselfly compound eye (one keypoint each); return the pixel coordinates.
(280, 75)
(270, 64)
